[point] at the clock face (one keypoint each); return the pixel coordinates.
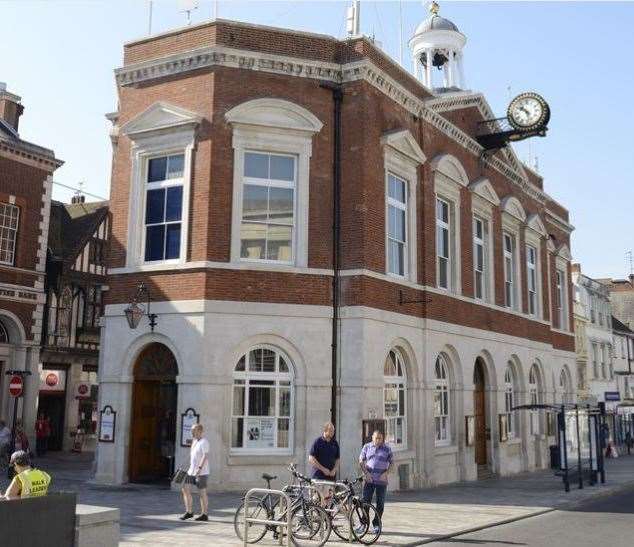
(528, 111)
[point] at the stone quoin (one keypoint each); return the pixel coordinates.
(453, 270)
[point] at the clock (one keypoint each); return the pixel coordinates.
(528, 112)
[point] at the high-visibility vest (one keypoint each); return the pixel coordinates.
(33, 483)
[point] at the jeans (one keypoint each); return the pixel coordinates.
(369, 489)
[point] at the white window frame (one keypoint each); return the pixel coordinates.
(510, 277)
(443, 226)
(595, 359)
(401, 158)
(485, 272)
(449, 178)
(510, 394)
(512, 225)
(398, 382)
(271, 183)
(12, 232)
(158, 185)
(276, 377)
(562, 298)
(532, 268)
(401, 206)
(442, 390)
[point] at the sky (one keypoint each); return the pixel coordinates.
(59, 56)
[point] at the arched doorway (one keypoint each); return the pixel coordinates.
(479, 410)
(153, 426)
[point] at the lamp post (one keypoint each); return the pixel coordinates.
(21, 374)
(134, 311)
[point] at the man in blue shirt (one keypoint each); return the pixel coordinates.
(375, 462)
(324, 454)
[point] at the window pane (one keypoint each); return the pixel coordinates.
(401, 401)
(261, 401)
(281, 205)
(256, 165)
(268, 360)
(480, 257)
(238, 400)
(154, 209)
(255, 360)
(283, 432)
(175, 166)
(237, 426)
(174, 204)
(283, 365)
(442, 272)
(396, 188)
(285, 402)
(254, 202)
(282, 168)
(154, 240)
(157, 168)
(279, 240)
(253, 240)
(173, 241)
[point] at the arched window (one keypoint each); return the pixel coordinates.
(509, 403)
(4, 335)
(534, 389)
(263, 405)
(565, 386)
(442, 415)
(394, 399)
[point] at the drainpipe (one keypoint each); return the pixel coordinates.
(337, 96)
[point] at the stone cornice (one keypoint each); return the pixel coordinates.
(29, 155)
(306, 68)
(557, 221)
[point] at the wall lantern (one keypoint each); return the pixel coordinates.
(134, 311)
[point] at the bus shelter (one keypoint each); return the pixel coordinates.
(579, 453)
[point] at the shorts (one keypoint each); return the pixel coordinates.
(199, 482)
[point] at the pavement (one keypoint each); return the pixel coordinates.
(149, 513)
(603, 521)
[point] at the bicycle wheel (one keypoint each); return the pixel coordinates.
(310, 526)
(365, 523)
(257, 510)
(340, 523)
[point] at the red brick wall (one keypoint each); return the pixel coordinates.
(366, 115)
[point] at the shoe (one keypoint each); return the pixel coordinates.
(202, 517)
(376, 530)
(186, 516)
(360, 530)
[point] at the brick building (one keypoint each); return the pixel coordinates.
(75, 277)
(293, 202)
(25, 199)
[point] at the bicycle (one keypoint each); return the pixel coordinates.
(309, 521)
(351, 517)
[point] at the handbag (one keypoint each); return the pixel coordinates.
(179, 475)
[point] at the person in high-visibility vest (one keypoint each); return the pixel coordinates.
(28, 482)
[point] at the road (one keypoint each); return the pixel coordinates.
(607, 521)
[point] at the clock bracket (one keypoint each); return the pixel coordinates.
(497, 133)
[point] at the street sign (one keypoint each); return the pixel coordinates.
(15, 386)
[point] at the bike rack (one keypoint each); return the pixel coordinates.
(250, 520)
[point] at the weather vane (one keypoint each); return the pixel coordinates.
(434, 8)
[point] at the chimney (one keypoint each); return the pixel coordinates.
(10, 107)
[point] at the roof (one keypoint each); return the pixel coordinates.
(621, 327)
(436, 22)
(71, 225)
(11, 138)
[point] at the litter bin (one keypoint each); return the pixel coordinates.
(554, 457)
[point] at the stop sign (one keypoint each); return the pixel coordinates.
(15, 386)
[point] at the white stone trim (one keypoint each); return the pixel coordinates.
(534, 222)
(148, 143)
(512, 206)
(483, 188)
(402, 156)
(159, 117)
(210, 265)
(269, 112)
(558, 221)
(531, 238)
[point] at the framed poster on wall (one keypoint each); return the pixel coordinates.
(469, 430)
(189, 419)
(107, 424)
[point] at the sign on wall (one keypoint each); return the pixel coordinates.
(82, 390)
(469, 430)
(189, 419)
(260, 432)
(107, 424)
(53, 380)
(612, 396)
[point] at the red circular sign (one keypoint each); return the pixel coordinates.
(15, 386)
(52, 379)
(82, 389)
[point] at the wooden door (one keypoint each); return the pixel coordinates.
(144, 446)
(479, 406)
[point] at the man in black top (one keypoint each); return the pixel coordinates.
(324, 454)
